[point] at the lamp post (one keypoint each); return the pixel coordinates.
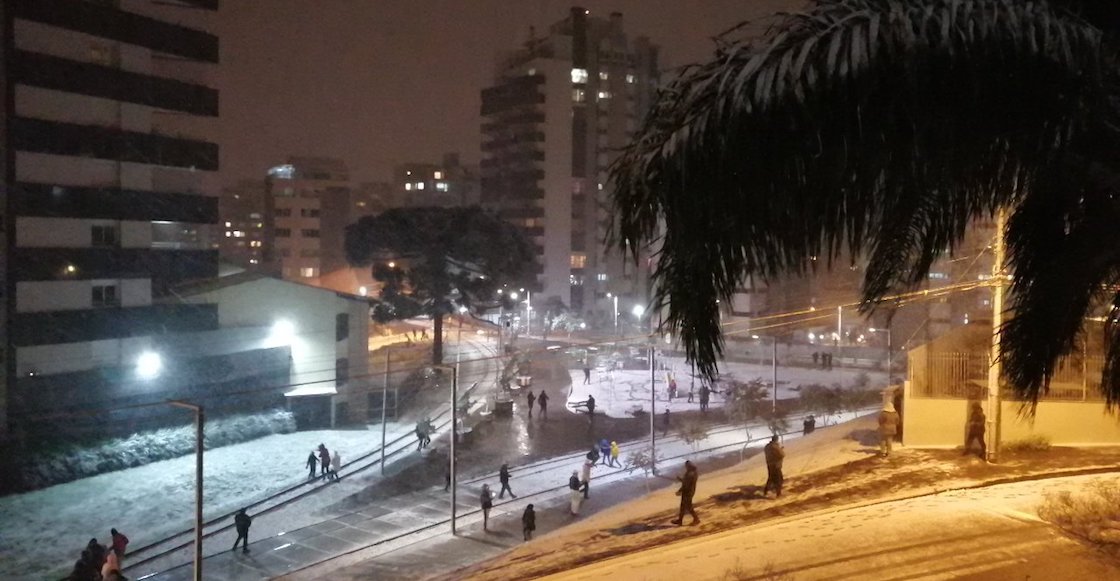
(384, 406)
(615, 298)
(454, 437)
(528, 313)
(199, 422)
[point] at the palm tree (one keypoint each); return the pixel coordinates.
(883, 128)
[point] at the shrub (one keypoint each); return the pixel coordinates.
(1092, 514)
(693, 431)
(72, 462)
(1030, 444)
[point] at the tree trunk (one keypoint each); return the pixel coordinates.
(437, 339)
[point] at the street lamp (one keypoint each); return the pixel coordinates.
(615, 298)
(148, 365)
(199, 421)
(454, 436)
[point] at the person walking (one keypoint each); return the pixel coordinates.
(705, 394)
(112, 563)
(531, 398)
(808, 425)
(336, 465)
(503, 477)
(542, 400)
(590, 406)
(487, 501)
(586, 372)
(593, 454)
(312, 464)
(528, 522)
(672, 387)
(242, 522)
(575, 498)
(614, 454)
(686, 492)
(665, 423)
(605, 451)
(816, 358)
(774, 455)
(119, 543)
(585, 479)
(888, 427)
(324, 461)
(977, 423)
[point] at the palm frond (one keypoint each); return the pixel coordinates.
(879, 127)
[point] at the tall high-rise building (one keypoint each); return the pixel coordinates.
(309, 200)
(109, 193)
(558, 112)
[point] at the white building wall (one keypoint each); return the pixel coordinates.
(557, 182)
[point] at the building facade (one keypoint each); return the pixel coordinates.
(246, 233)
(110, 195)
(445, 184)
(558, 112)
(309, 199)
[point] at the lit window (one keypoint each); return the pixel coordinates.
(579, 261)
(438, 175)
(408, 173)
(260, 224)
(579, 95)
(408, 186)
(604, 76)
(255, 243)
(938, 276)
(228, 233)
(579, 75)
(531, 72)
(419, 185)
(442, 186)
(254, 261)
(630, 79)
(307, 272)
(601, 277)
(604, 95)
(228, 224)
(600, 187)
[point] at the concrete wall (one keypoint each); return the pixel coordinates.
(940, 423)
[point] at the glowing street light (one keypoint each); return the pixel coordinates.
(638, 311)
(148, 365)
(283, 331)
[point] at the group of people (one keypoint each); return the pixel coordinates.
(822, 359)
(327, 464)
(424, 429)
(101, 563)
(604, 450)
(542, 401)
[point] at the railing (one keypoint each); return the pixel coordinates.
(957, 375)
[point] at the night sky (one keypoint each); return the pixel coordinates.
(379, 82)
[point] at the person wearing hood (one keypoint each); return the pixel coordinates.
(614, 455)
(574, 494)
(242, 521)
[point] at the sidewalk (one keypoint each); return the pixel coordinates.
(412, 529)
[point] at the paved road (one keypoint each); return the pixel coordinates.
(987, 533)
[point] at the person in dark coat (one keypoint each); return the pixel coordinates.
(593, 454)
(665, 423)
(590, 405)
(586, 372)
(977, 423)
(705, 392)
(574, 493)
(312, 463)
(503, 477)
(486, 499)
(775, 454)
(686, 492)
(531, 398)
(605, 451)
(528, 522)
(242, 522)
(542, 400)
(324, 461)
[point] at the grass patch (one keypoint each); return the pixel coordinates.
(1092, 514)
(66, 463)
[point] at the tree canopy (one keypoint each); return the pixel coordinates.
(883, 128)
(430, 261)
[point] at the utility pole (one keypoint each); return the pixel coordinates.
(454, 437)
(384, 405)
(199, 424)
(652, 411)
(774, 361)
(995, 367)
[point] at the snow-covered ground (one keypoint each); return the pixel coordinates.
(622, 391)
(43, 532)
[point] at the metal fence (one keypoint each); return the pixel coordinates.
(957, 375)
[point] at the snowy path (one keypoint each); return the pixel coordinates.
(620, 392)
(44, 531)
(982, 533)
